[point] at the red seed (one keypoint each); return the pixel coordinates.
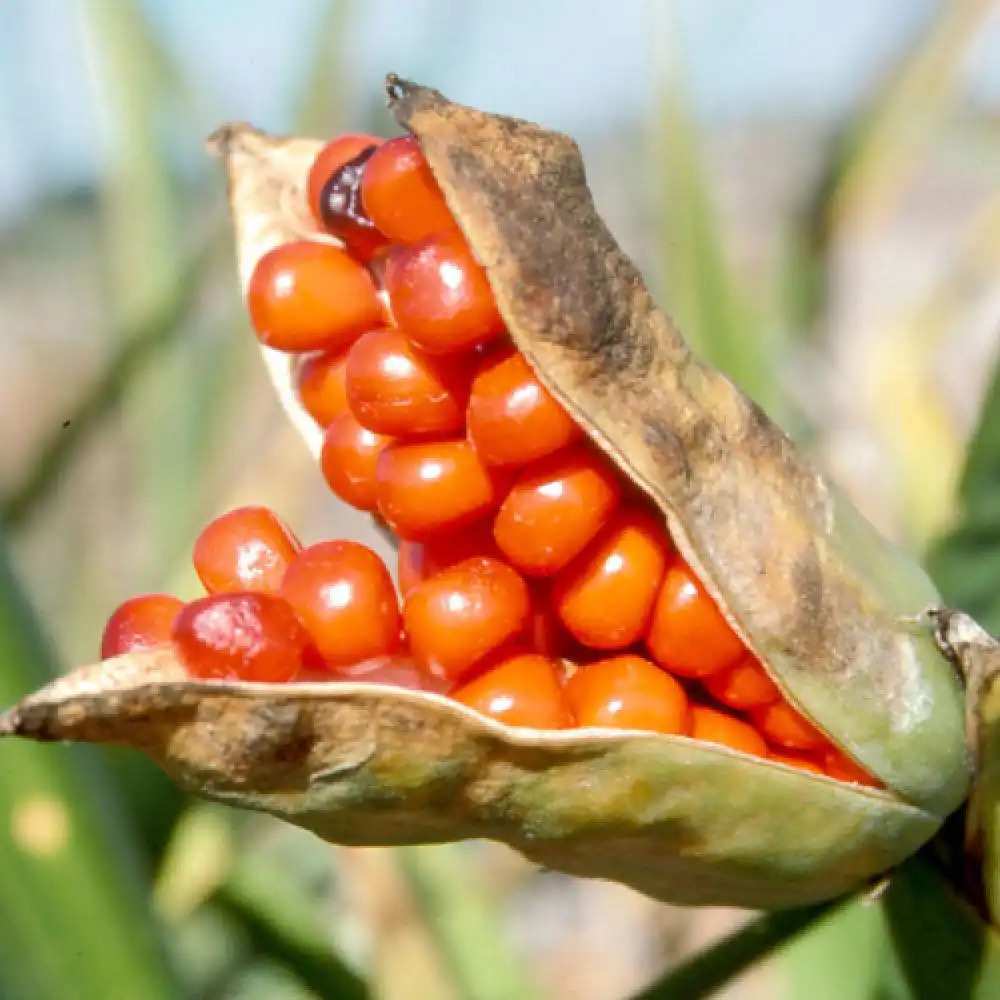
(344, 596)
(743, 686)
(349, 459)
(338, 151)
(797, 760)
(522, 689)
(245, 549)
(393, 671)
(628, 692)
(399, 192)
(335, 194)
(512, 418)
(838, 765)
(322, 386)
(605, 596)
(439, 295)
(688, 634)
(140, 623)
(554, 509)
(425, 490)
(396, 389)
(461, 614)
(418, 561)
(781, 724)
(311, 296)
(712, 726)
(243, 636)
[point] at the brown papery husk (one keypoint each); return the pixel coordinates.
(835, 612)
(372, 765)
(267, 195)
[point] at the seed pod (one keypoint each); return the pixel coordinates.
(832, 610)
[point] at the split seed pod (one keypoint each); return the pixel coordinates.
(833, 611)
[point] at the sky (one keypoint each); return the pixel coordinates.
(574, 64)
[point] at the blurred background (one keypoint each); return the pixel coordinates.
(809, 188)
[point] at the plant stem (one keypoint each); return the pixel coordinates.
(712, 968)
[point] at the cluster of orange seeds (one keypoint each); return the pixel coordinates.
(536, 587)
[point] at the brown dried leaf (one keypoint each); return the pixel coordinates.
(369, 765)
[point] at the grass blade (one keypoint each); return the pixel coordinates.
(138, 197)
(702, 291)
(841, 957)
(882, 149)
(278, 928)
(143, 226)
(965, 563)
(711, 969)
(879, 149)
(923, 441)
(465, 925)
(946, 952)
(73, 923)
(138, 194)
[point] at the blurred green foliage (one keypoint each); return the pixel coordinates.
(73, 921)
(966, 561)
(115, 886)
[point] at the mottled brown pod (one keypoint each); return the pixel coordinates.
(835, 613)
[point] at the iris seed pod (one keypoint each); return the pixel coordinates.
(835, 612)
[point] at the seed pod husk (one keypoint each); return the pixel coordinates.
(835, 611)
(371, 765)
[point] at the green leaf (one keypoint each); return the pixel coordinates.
(276, 921)
(702, 289)
(73, 923)
(877, 152)
(945, 951)
(965, 563)
(841, 957)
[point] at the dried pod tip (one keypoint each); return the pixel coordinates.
(397, 88)
(222, 140)
(407, 97)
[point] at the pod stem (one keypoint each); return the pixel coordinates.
(709, 970)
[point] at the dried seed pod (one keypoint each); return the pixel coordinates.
(369, 765)
(828, 605)
(833, 612)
